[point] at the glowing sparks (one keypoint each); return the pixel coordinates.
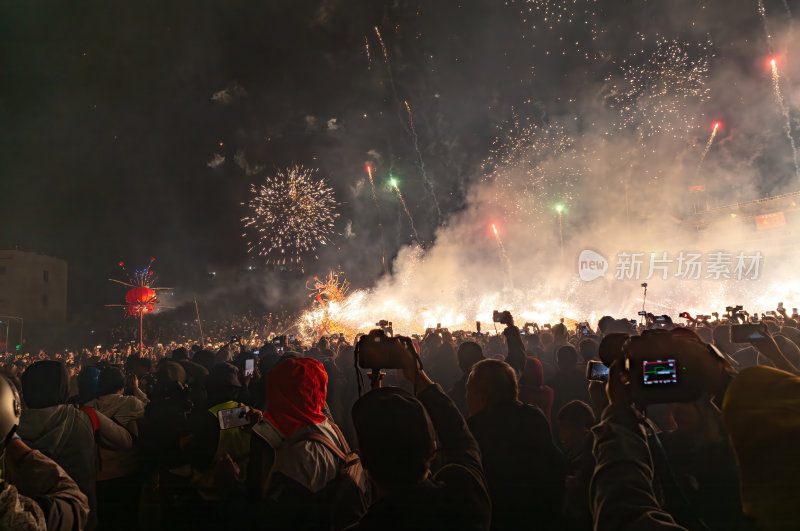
(784, 110)
(383, 46)
(503, 255)
(660, 91)
(291, 214)
(708, 144)
(378, 213)
(425, 177)
(531, 166)
(393, 182)
(372, 185)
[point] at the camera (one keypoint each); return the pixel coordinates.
(642, 313)
(745, 333)
(663, 371)
(644, 284)
(661, 367)
(503, 317)
(732, 309)
(377, 351)
(386, 326)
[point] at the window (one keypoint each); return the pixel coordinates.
(46, 275)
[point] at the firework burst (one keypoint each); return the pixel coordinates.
(530, 165)
(291, 215)
(660, 91)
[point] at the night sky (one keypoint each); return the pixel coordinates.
(110, 117)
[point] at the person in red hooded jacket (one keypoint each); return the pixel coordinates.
(289, 471)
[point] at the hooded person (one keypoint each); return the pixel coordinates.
(297, 451)
(210, 443)
(88, 385)
(532, 389)
(117, 479)
(66, 434)
(417, 485)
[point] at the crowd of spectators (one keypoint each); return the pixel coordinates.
(473, 431)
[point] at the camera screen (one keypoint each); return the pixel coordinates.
(599, 372)
(659, 372)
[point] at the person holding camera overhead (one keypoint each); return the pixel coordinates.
(760, 410)
(416, 448)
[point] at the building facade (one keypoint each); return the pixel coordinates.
(33, 287)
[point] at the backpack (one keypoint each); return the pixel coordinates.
(348, 495)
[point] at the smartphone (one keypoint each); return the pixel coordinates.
(745, 333)
(256, 352)
(234, 417)
(291, 339)
(659, 372)
(248, 367)
(780, 306)
(794, 313)
(643, 313)
(596, 371)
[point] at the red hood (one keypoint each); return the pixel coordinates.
(296, 391)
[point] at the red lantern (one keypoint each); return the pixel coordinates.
(141, 300)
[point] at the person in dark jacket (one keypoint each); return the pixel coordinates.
(396, 433)
(35, 493)
(532, 389)
(64, 433)
(524, 469)
(569, 383)
(469, 353)
(575, 421)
